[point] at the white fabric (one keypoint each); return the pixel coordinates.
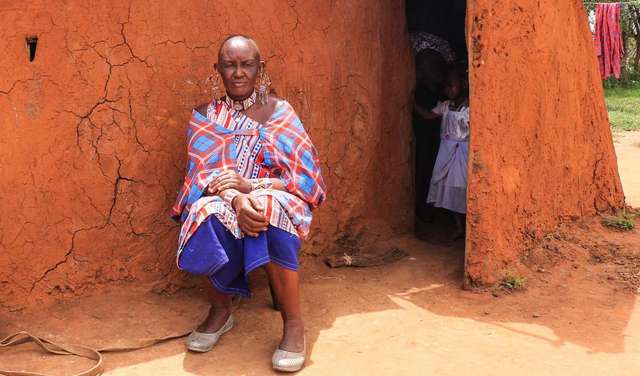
(448, 188)
(455, 123)
(592, 21)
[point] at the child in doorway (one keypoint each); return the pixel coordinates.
(448, 187)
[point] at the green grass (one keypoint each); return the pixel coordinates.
(513, 282)
(624, 108)
(623, 221)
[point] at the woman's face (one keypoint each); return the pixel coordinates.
(239, 65)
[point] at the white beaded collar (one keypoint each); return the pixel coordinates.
(242, 105)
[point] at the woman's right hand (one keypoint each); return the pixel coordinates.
(250, 214)
(229, 179)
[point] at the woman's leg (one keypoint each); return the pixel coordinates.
(287, 288)
(219, 311)
(459, 230)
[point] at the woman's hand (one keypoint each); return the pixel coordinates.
(250, 214)
(229, 179)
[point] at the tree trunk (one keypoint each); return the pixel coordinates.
(635, 22)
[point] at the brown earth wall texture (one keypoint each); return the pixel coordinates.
(541, 149)
(92, 131)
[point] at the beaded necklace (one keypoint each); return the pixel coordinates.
(242, 105)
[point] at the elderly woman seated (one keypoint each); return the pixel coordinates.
(252, 179)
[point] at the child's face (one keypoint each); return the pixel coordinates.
(453, 86)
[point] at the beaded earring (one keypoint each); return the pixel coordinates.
(214, 80)
(263, 85)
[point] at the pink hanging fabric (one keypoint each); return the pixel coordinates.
(608, 39)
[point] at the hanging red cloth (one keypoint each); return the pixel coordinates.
(608, 39)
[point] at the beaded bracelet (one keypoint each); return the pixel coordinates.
(261, 184)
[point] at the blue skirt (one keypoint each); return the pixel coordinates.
(232, 259)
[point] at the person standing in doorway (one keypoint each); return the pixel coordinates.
(448, 186)
(433, 55)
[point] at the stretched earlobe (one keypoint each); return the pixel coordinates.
(263, 83)
(214, 80)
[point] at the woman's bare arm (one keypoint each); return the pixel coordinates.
(424, 113)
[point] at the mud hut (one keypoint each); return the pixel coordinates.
(93, 117)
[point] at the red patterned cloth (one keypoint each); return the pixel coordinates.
(608, 39)
(227, 139)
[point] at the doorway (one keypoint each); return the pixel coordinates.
(438, 37)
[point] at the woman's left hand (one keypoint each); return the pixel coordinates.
(229, 180)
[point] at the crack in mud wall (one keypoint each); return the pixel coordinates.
(541, 146)
(92, 131)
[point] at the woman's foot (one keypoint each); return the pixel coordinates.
(293, 336)
(205, 340)
(217, 317)
(291, 354)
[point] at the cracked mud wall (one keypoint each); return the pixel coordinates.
(92, 131)
(541, 148)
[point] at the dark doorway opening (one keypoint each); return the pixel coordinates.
(443, 18)
(445, 21)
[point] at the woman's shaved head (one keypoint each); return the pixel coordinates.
(239, 41)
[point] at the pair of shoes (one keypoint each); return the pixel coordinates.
(287, 361)
(203, 342)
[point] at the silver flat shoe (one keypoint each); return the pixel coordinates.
(287, 361)
(203, 342)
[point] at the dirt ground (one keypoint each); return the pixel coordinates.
(628, 151)
(578, 314)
